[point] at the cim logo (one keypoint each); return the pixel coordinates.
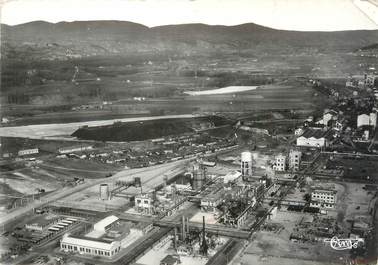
(343, 244)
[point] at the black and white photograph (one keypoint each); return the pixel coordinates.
(188, 132)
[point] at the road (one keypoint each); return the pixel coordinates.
(127, 174)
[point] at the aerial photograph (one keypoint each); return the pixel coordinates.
(189, 132)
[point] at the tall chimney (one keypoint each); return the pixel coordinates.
(175, 239)
(203, 247)
(183, 228)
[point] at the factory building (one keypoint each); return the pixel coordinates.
(246, 164)
(89, 246)
(106, 223)
(323, 198)
(367, 120)
(211, 201)
(71, 149)
(93, 243)
(294, 160)
(144, 203)
(328, 116)
(280, 163)
(25, 152)
(314, 138)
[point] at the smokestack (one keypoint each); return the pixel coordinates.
(203, 227)
(175, 239)
(183, 228)
(204, 247)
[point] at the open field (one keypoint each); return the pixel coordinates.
(139, 131)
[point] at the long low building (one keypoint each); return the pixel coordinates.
(89, 246)
(315, 138)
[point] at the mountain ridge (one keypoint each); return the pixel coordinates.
(80, 38)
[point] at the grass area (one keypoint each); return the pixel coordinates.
(138, 131)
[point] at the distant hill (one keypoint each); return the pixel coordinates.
(85, 38)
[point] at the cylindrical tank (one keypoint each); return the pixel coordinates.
(198, 177)
(246, 164)
(104, 192)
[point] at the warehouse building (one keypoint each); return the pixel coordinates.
(72, 149)
(89, 246)
(95, 243)
(314, 138)
(25, 152)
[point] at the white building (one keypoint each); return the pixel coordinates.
(71, 149)
(295, 157)
(246, 164)
(28, 151)
(328, 116)
(314, 138)
(144, 203)
(105, 224)
(323, 198)
(231, 176)
(298, 132)
(280, 163)
(367, 120)
(89, 246)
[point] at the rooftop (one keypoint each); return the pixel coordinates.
(106, 221)
(316, 133)
(83, 241)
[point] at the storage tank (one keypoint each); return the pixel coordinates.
(199, 176)
(246, 164)
(104, 192)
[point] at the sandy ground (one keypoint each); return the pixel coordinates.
(276, 247)
(155, 255)
(41, 131)
(223, 90)
(209, 218)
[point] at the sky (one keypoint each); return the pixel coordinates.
(303, 15)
